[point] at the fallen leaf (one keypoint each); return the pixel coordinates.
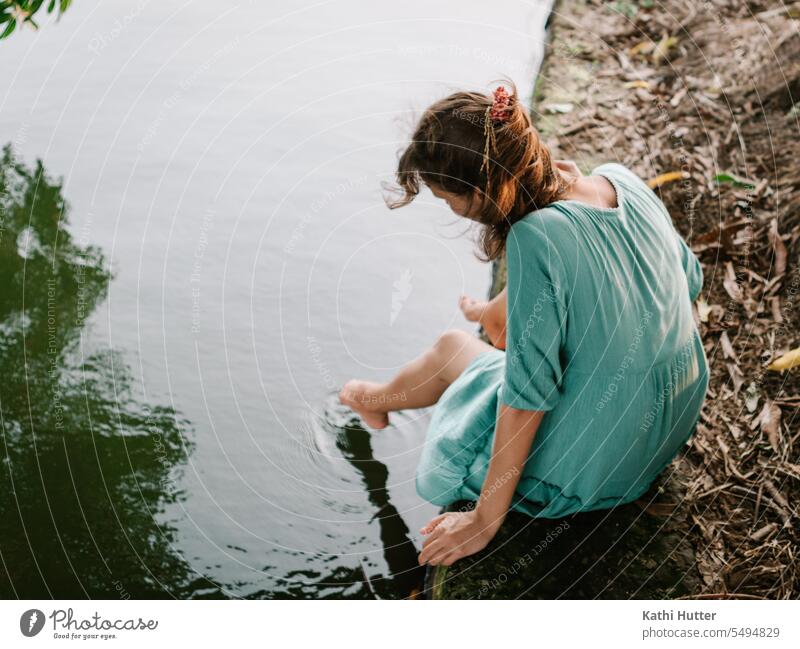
(736, 181)
(751, 397)
(662, 49)
(668, 177)
(778, 247)
(721, 235)
(642, 48)
(703, 310)
(733, 289)
(775, 305)
(737, 377)
(727, 347)
(677, 100)
(735, 431)
(786, 362)
(771, 423)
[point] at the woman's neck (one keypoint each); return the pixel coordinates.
(593, 190)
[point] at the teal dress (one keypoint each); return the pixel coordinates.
(601, 337)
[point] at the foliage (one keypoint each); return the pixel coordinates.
(20, 12)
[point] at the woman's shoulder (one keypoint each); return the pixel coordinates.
(623, 175)
(639, 195)
(616, 168)
(546, 221)
(544, 234)
(543, 231)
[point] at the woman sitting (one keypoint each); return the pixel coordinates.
(603, 374)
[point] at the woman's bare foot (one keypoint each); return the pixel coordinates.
(471, 308)
(364, 398)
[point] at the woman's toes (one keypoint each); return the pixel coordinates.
(375, 420)
(356, 395)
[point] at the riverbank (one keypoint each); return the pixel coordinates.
(701, 99)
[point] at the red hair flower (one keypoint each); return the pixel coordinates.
(499, 111)
(500, 105)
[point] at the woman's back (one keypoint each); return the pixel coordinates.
(622, 275)
(601, 337)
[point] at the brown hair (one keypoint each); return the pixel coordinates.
(447, 150)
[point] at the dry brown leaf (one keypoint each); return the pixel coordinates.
(703, 310)
(751, 398)
(721, 235)
(733, 289)
(677, 99)
(775, 305)
(727, 347)
(770, 419)
(737, 377)
(778, 247)
(642, 48)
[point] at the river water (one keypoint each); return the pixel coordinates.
(174, 339)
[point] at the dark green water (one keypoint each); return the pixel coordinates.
(200, 261)
(88, 463)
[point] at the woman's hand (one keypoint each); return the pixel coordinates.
(453, 536)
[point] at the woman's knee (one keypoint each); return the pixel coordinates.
(451, 341)
(454, 350)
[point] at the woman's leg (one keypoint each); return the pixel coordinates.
(491, 315)
(419, 384)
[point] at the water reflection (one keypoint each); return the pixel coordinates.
(406, 575)
(341, 449)
(88, 466)
(90, 469)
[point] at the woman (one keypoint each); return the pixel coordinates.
(603, 374)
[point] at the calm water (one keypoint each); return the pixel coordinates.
(173, 341)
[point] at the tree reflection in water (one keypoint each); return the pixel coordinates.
(87, 467)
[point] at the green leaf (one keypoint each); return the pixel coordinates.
(736, 181)
(9, 28)
(627, 9)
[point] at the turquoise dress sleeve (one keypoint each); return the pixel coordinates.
(536, 317)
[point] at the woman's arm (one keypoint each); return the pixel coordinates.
(454, 535)
(493, 319)
(514, 435)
